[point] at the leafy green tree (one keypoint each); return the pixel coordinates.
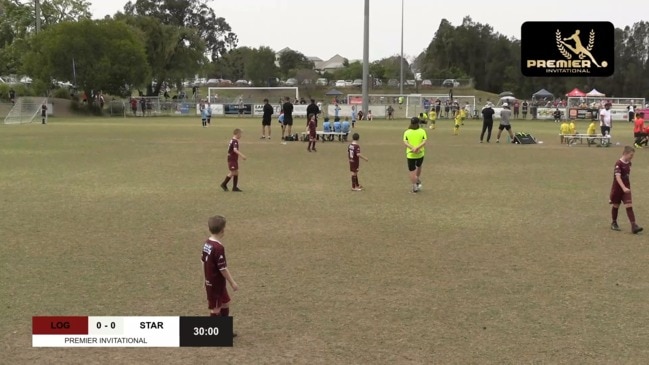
(57, 11)
(174, 53)
(194, 14)
(290, 61)
(108, 55)
(231, 66)
(260, 66)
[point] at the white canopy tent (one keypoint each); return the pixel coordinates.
(594, 92)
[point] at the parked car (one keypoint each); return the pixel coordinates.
(349, 83)
(291, 82)
(450, 83)
(357, 82)
(378, 82)
(427, 83)
(225, 83)
(393, 82)
(213, 82)
(321, 82)
(241, 83)
(340, 83)
(410, 83)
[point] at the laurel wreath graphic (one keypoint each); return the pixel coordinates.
(563, 51)
(591, 40)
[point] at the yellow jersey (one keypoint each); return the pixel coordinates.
(462, 113)
(414, 137)
(592, 129)
(565, 128)
(458, 119)
(432, 115)
(573, 129)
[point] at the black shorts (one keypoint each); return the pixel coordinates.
(413, 163)
(605, 130)
(288, 120)
(265, 122)
(639, 135)
(631, 116)
(240, 111)
(502, 126)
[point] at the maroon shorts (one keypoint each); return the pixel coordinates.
(312, 134)
(353, 166)
(217, 297)
(233, 165)
(618, 196)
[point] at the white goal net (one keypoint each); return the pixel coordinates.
(419, 103)
(25, 110)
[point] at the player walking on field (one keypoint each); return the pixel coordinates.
(621, 190)
(415, 139)
(354, 154)
(311, 129)
(215, 269)
(233, 162)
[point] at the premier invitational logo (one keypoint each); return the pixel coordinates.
(576, 49)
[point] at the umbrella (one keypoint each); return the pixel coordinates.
(506, 93)
(333, 92)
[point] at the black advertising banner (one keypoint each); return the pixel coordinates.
(567, 49)
(234, 109)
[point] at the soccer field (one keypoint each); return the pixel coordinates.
(506, 255)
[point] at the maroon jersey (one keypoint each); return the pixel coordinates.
(213, 262)
(354, 150)
(624, 170)
(234, 144)
(312, 126)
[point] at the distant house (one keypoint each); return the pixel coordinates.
(332, 64)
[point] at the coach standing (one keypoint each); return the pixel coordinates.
(487, 121)
(313, 109)
(287, 109)
(266, 119)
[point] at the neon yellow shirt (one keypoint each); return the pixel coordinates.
(565, 128)
(432, 115)
(573, 129)
(591, 128)
(414, 137)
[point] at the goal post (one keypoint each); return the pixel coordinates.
(25, 110)
(418, 103)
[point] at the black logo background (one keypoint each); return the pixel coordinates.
(538, 42)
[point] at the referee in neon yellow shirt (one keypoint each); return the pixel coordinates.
(415, 140)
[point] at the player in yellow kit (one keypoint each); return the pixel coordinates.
(591, 132)
(432, 116)
(459, 120)
(564, 131)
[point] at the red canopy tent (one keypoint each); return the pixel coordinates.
(576, 92)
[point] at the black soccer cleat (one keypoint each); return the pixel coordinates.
(636, 229)
(615, 227)
(224, 187)
(237, 190)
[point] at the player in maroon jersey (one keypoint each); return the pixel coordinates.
(215, 268)
(233, 162)
(354, 154)
(311, 129)
(621, 190)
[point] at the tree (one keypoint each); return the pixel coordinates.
(107, 55)
(173, 53)
(195, 14)
(57, 11)
(260, 66)
(231, 65)
(17, 22)
(291, 61)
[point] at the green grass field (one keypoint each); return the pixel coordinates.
(506, 256)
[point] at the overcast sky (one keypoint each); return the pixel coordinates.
(325, 28)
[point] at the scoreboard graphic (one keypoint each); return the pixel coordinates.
(80, 331)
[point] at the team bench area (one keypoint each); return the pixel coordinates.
(591, 139)
(326, 136)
